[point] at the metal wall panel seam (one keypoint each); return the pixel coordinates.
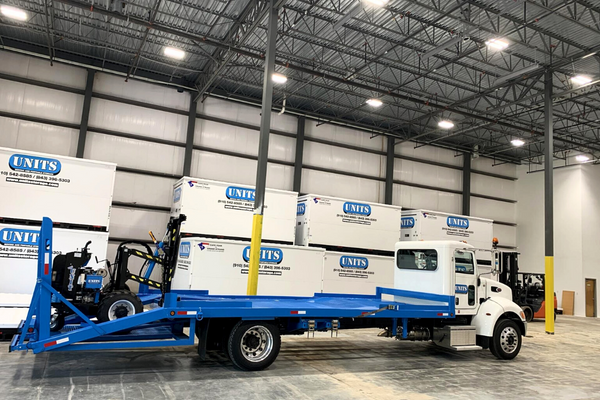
(124, 204)
(483, 196)
(35, 82)
(39, 120)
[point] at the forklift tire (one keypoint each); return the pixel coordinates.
(57, 322)
(253, 345)
(507, 339)
(528, 313)
(119, 304)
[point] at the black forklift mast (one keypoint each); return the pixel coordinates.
(168, 260)
(509, 271)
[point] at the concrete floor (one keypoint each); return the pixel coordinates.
(357, 365)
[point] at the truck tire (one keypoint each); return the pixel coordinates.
(528, 313)
(119, 304)
(253, 345)
(507, 339)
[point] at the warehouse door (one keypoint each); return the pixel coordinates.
(590, 297)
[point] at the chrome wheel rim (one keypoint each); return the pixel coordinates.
(509, 339)
(120, 309)
(256, 343)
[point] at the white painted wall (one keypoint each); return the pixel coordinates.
(576, 227)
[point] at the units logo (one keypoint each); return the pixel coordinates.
(407, 222)
(354, 262)
(40, 165)
(461, 289)
(239, 193)
(176, 195)
(270, 255)
(457, 222)
(184, 249)
(19, 237)
(203, 245)
(301, 209)
(357, 208)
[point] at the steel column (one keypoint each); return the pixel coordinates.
(466, 184)
(85, 113)
(389, 170)
(263, 150)
(299, 153)
(189, 141)
(549, 203)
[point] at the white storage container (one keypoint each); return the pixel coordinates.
(434, 225)
(65, 189)
(330, 221)
(18, 253)
(356, 273)
(221, 267)
(224, 209)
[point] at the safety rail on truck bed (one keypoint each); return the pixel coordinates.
(164, 325)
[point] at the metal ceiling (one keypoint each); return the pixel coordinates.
(425, 59)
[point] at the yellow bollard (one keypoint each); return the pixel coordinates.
(257, 222)
(549, 294)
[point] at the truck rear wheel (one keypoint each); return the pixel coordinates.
(507, 339)
(253, 345)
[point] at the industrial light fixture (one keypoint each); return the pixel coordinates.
(379, 3)
(13, 13)
(279, 78)
(445, 124)
(589, 55)
(582, 158)
(517, 142)
(497, 44)
(175, 53)
(581, 79)
(375, 102)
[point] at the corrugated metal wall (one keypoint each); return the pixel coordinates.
(142, 127)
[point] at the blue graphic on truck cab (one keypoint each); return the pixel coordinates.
(43, 165)
(239, 193)
(457, 222)
(270, 255)
(184, 249)
(357, 208)
(461, 289)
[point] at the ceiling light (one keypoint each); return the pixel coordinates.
(379, 3)
(13, 12)
(279, 78)
(175, 53)
(582, 158)
(517, 142)
(497, 44)
(589, 55)
(581, 80)
(445, 124)
(375, 102)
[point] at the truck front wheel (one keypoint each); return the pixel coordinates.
(253, 345)
(506, 342)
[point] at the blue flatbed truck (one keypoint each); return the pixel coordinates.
(249, 328)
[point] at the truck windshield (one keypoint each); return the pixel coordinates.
(463, 262)
(417, 259)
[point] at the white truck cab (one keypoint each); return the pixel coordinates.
(485, 315)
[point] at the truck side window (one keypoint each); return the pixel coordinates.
(417, 259)
(463, 263)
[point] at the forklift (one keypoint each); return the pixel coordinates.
(110, 299)
(528, 289)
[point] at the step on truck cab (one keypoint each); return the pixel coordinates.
(486, 316)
